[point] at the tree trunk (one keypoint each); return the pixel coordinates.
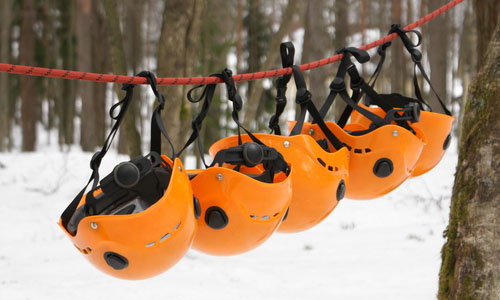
(486, 19)
(342, 31)
(66, 88)
(396, 56)
(257, 89)
(5, 26)
(315, 47)
(119, 64)
(28, 83)
(177, 48)
(100, 64)
(471, 254)
(84, 29)
(438, 53)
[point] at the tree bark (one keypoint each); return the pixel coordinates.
(471, 254)
(28, 83)
(5, 26)
(257, 89)
(315, 47)
(396, 56)
(177, 48)
(438, 49)
(100, 64)
(84, 29)
(486, 19)
(119, 64)
(65, 103)
(342, 31)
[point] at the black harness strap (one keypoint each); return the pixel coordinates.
(157, 126)
(416, 57)
(360, 55)
(271, 164)
(303, 98)
(287, 51)
(95, 162)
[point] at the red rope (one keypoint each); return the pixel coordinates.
(57, 73)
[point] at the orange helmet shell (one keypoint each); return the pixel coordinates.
(150, 241)
(437, 130)
(387, 147)
(253, 209)
(316, 177)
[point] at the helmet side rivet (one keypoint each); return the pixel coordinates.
(311, 131)
(395, 133)
(93, 225)
(286, 144)
(219, 176)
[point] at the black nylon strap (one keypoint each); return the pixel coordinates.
(287, 51)
(416, 56)
(303, 98)
(207, 94)
(360, 55)
(157, 126)
(95, 162)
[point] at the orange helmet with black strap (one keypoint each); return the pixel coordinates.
(383, 155)
(319, 174)
(436, 126)
(245, 192)
(140, 220)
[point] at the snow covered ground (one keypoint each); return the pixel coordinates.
(388, 248)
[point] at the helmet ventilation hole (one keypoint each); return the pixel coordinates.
(166, 236)
(177, 226)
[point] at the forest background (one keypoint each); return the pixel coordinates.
(179, 38)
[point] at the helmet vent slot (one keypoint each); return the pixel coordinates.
(150, 244)
(263, 218)
(166, 236)
(359, 151)
(321, 162)
(253, 217)
(177, 226)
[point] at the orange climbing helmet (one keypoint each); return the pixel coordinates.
(140, 220)
(318, 176)
(435, 126)
(381, 156)
(244, 193)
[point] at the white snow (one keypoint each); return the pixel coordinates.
(387, 248)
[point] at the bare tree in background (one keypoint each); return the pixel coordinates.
(471, 254)
(316, 46)
(5, 26)
(120, 67)
(28, 83)
(255, 96)
(176, 52)
(486, 21)
(84, 28)
(438, 48)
